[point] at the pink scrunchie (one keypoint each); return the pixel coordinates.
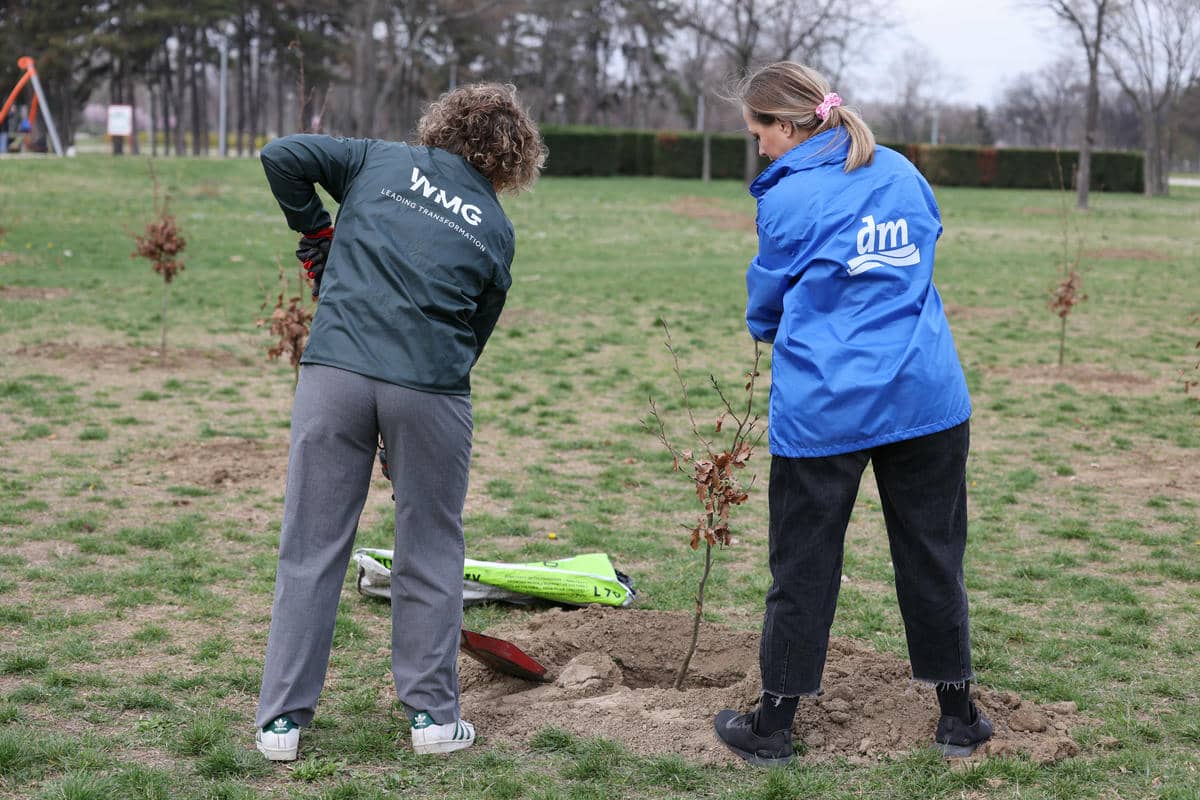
(830, 102)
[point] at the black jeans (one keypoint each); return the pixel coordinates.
(922, 484)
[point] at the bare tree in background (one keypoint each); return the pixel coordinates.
(386, 59)
(1187, 127)
(820, 33)
(1156, 59)
(695, 81)
(1041, 108)
(735, 26)
(1092, 21)
(916, 78)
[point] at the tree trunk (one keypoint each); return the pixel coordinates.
(1164, 169)
(243, 48)
(180, 93)
(163, 319)
(194, 87)
(751, 160)
(152, 91)
(117, 95)
(134, 148)
(280, 97)
(1149, 154)
(258, 117)
(202, 85)
(1083, 176)
(364, 92)
(681, 674)
(1155, 166)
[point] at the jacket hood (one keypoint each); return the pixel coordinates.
(828, 147)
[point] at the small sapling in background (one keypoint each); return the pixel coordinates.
(1064, 297)
(289, 322)
(713, 471)
(161, 244)
(1191, 378)
(1069, 291)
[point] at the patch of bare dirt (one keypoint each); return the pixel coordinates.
(1132, 477)
(707, 210)
(41, 552)
(1041, 211)
(1081, 376)
(955, 311)
(227, 463)
(611, 672)
(32, 292)
(1127, 254)
(107, 356)
(7, 258)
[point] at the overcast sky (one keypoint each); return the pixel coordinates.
(979, 44)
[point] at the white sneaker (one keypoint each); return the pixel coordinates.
(280, 740)
(429, 737)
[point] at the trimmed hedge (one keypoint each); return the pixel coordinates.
(584, 151)
(1024, 168)
(678, 154)
(604, 152)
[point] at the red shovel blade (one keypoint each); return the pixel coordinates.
(501, 656)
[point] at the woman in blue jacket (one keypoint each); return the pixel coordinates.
(863, 369)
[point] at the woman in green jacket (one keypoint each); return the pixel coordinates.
(412, 280)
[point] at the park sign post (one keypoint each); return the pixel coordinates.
(120, 120)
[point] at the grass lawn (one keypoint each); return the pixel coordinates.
(141, 492)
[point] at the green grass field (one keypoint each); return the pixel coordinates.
(141, 492)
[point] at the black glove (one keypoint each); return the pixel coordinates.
(312, 252)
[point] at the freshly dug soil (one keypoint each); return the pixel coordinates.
(610, 674)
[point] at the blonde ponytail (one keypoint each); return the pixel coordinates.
(793, 92)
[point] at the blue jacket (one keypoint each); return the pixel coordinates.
(843, 287)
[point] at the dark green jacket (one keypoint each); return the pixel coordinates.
(419, 266)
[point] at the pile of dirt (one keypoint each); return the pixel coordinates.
(611, 672)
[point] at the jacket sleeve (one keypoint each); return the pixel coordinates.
(487, 314)
(295, 164)
(767, 280)
(491, 303)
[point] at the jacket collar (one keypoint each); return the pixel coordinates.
(827, 147)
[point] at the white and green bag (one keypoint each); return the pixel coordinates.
(579, 581)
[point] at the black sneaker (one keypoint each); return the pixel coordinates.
(957, 739)
(736, 731)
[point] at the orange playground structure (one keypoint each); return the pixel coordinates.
(38, 103)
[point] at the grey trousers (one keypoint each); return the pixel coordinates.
(337, 417)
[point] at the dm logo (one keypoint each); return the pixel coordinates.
(883, 244)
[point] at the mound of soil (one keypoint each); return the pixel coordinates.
(611, 672)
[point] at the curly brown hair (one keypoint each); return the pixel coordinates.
(485, 124)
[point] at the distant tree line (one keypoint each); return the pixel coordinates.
(366, 67)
